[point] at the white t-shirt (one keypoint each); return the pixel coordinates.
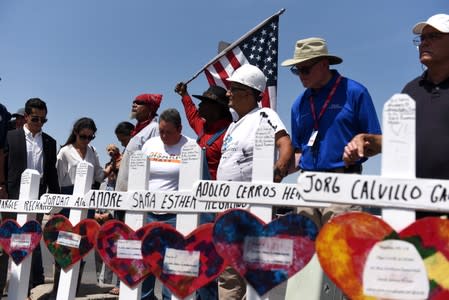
(164, 163)
(236, 163)
(68, 159)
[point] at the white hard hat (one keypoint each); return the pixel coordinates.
(249, 75)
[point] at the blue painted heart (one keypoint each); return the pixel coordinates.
(265, 254)
(19, 241)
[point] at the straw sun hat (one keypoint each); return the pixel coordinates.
(308, 49)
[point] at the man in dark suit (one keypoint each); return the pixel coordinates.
(30, 148)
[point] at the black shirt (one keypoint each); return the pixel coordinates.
(432, 126)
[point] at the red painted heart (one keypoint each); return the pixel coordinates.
(19, 241)
(120, 248)
(183, 264)
(69, 244)
(265, 254)
(344, 243)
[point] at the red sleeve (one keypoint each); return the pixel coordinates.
(195, 121)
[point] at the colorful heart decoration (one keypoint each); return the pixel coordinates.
(344, 243)
(130, 271)
(19, 241)
(198, 244)
(69, 244)
(290, 239)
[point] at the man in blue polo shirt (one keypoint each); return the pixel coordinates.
(328, 114)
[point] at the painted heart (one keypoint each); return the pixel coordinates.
(265, 254)
(19, 241)
(113, 237)
(167, 252)
(343, 246)
(69, 244)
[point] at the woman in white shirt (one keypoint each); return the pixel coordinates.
(75, 150)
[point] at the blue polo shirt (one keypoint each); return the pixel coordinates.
(349, 112)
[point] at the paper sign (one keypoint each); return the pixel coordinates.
(68, 239)
(20, 241)
(181, 262)
(129, 249)
(268, 250)
(395, 270)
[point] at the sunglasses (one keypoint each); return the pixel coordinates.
(86, 137)
(139, 102)
(305, 70)
(36, 119)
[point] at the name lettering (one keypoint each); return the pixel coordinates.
(208, 189)
(142, 201)
(105, 199)
(372, 190)
(327, 185)
(178, 201)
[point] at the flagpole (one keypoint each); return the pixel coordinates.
(223, 52)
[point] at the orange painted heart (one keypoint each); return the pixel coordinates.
(344, 244)
(120, 248)
(19, 241)
(68, 243)
(265, 254)
(183, 264)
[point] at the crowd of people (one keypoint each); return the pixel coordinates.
(334, 128)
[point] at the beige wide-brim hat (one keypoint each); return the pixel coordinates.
(311, 48)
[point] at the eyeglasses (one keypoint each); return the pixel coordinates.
(234, 90)
(36, 119)
(305, 70)
(431, 36)
(86, 137)
(139, 102)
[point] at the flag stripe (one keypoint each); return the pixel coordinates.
(258, 47)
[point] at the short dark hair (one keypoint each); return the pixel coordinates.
(124, 128)
(35, 103)
(171, 115)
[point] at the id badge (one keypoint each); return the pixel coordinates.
(312, 138)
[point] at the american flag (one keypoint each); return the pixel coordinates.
(258, 47)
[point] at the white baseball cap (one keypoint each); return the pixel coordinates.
(439, 21)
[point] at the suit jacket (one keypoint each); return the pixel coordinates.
(17, 163)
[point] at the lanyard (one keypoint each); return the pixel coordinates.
(326, 103)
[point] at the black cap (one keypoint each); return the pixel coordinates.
(215, 93)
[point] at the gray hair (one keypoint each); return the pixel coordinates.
(171, 115)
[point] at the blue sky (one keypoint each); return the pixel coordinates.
(91, 58)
